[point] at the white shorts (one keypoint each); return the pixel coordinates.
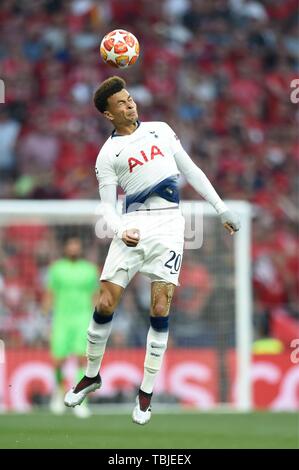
(158, 254)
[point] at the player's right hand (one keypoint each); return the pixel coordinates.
(131, 237)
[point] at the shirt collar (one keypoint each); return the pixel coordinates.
(119, 135)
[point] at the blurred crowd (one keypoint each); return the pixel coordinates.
(218, 72)
(202, 311)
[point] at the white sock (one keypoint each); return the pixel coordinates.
(156, 345)
(97, 337)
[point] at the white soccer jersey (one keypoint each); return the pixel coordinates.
(140, 160)
(144, 163)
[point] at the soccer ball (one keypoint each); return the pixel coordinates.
(120, 48)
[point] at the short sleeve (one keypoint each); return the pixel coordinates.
(105, 172)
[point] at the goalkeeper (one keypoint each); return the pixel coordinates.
(72, 283)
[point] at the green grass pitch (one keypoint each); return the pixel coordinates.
(178, 430)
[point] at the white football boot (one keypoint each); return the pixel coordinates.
(76, 395)
(142, 416)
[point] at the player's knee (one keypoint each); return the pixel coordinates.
(105, 305)
(160, 309)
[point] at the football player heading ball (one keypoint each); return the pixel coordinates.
(145, 159)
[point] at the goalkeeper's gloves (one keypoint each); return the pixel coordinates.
(230, 220)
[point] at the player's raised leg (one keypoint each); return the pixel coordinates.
(161, 296)
(97, 336)
(82, 411)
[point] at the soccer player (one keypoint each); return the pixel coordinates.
(71, 287)
(145, 159)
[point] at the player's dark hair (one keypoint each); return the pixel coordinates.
(107, 88)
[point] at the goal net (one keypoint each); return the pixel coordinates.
(207, 363)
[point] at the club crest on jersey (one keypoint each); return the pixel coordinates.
(135, 162)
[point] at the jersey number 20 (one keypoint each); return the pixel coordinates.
(174, 262)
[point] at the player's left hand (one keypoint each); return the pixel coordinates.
(230, 221)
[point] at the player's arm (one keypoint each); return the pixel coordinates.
(108, 182)
(198, 180)
(108, 195)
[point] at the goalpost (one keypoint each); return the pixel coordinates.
(223, 263)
